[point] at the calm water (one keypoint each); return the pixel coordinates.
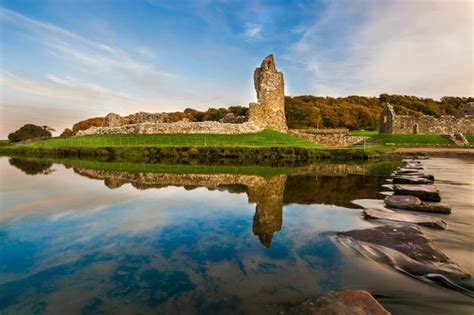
(80, 241)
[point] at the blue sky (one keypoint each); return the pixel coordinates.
(63, 60)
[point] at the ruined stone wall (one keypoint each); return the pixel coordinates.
(207, 127)
(329, 140)
(433, 125)
(270, 108)
(115, 120)
(269, 112)
(405, 124)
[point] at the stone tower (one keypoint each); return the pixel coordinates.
(269, 111)
(387, 119)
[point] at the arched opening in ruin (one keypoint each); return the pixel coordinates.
(415, 129)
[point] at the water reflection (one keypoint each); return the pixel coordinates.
(32, 167)
(163, 239)
(322, 184)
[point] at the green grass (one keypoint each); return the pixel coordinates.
(470, 138)
(267, 138)
(364, 133)
(404, 140)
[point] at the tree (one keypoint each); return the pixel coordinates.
(29, 131)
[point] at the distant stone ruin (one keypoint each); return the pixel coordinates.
(267, 113)
(270, 109)
(444, 125)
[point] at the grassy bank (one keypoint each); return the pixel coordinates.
(266, 138)
(404, 140)
(264, 148)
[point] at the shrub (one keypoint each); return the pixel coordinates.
(29, 131)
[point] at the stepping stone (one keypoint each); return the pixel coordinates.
(407, 171)
(434, 207)
(424, 220)
(424, 192)
(402, 202)
(406, 202)
(350, 302)
(413, 167)
(411, 180)
(405, 248)
(417, 174)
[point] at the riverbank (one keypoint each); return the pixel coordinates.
(435, 152)
(267, 148)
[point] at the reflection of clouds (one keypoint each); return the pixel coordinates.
(176, 205)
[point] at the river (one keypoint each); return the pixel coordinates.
(98, 238)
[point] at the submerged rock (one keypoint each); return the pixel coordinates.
(406, 202)
(424, 220)
(351, 302)
(424, 192)
(405, 248)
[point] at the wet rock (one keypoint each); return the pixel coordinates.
(402, 202)
(406, 202)
(407, 171)
(405, 248)
(351, 302)
(424, 192)
(434, 207)
(413, 166)
(424, 220)
(411, 180)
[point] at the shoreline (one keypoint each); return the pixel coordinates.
(434, 152)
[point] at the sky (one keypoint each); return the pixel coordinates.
(62, 61)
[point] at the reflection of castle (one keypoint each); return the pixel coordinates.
(266, 193)
(268, 217)
(327, 184)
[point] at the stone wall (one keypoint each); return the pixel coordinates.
(115, 120)
(269, 113)
(405, 124)
(433, 125)
(207, 127)
(329, 140)
(270, 108)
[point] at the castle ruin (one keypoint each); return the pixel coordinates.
(269, 84)
(267, 113)
(444, 125)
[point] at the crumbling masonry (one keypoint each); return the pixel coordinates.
(444, 125)
(267, 113)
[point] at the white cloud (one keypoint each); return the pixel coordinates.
(417, 47)
(252, 32)
(86, 54)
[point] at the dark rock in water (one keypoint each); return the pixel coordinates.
(402, 202)
(406, 202)
(351, 302)
(416, 174)
(407, 171)
(424, 192)
(404, 248)
(434, 207)
(414, 167)
(411, 161)
(411, 180)
(424, 220)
